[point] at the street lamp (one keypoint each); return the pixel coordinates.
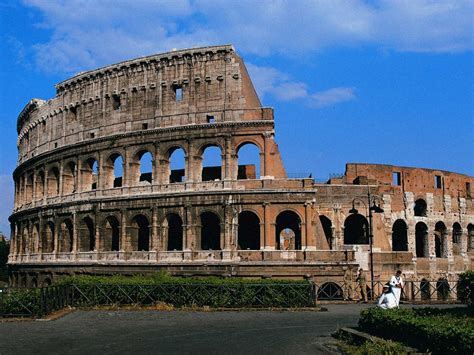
(373, 207)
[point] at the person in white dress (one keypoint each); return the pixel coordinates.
(387, 300)
(397, 285)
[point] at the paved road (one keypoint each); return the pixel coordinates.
(144, 332)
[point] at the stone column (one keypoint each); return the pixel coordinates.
(45, 185)
(98, 242)
(307, 242)
(269, 238)
(33, 198)
(155, 242)
(61, 172)
(123, 230)
(75, 239)
(266, 159)
(57, 227)
(226, 169)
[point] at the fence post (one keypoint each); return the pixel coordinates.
(314, 293)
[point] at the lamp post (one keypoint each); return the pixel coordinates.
(371, 206)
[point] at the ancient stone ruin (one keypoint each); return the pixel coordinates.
(112, 178)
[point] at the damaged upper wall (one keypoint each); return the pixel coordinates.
(187, 87)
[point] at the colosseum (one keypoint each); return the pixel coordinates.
(96, 191)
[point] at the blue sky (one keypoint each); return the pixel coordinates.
(350, 81)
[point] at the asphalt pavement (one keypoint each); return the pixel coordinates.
(180, 332)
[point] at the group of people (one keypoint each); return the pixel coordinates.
(391, 294)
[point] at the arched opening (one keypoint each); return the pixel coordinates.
(177, 165)
(470, 237)
(248, 234)
(421, 240)
(248, 161)
(47, 245)
(53, 182)
(69, 178)
(288, 231)
(66, 236)
(400, 236)
(113, 170)
(457, 236)
(330, 291)
(211, 163)
(39, 188)
(175, 232)
(327, 228)
(140, 233)
(420, 208)
(86, 234)
(440, 236)
(210, 231)
(356, 230)
(47, 282)
(425, 289)
(442, 289)
(110, 236)
(146, 167)
(90, 175)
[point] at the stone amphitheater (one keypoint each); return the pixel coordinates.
(96, 191)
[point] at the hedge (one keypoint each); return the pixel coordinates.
(427, 329)
(466, 287)
(20, 302)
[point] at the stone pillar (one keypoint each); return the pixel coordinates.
(267, 136)
(307, 242)
(33, 198)
(57, 227)
(61, 172)
(98, 241)
(123, 230)
(269, 238)
(45, 185)
(226, 169)
(75, 239)
(190, 240)
(155, 240)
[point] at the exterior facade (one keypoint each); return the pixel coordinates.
(112, 178)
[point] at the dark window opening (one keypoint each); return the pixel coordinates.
(116, 102)
(396, 179)
(327, 228)
(421, 240)
(55, 145)
(440, 240)
(92, 135)
(178, 93)
(399, 236)
(420, 208)
(145, 126)
(73, 110)
(140, 233)
(210, 119)
(248, 231)
(111, 234)
(210, 231)
(356, 230)
(175, 232)
(438, 182)
(468, 189)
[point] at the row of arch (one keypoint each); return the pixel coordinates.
(89, 174)
(356, 232)
(108, 236)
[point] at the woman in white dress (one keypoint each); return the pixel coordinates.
(397, 285)
(387, 299)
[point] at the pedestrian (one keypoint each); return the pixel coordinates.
(362, 282)
(348, 285)
(396, 282)
(387, 300)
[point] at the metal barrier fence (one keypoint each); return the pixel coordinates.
(34, 302)
(413, 291)
(27, 302)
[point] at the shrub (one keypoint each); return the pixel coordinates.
(438, 331)
(179, 292)
(466, 287)
(20, 302)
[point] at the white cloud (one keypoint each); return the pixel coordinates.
(6, 202)
(332, 96)
(87, 34)
(270, 81)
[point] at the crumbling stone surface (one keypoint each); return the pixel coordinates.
(86, 201)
